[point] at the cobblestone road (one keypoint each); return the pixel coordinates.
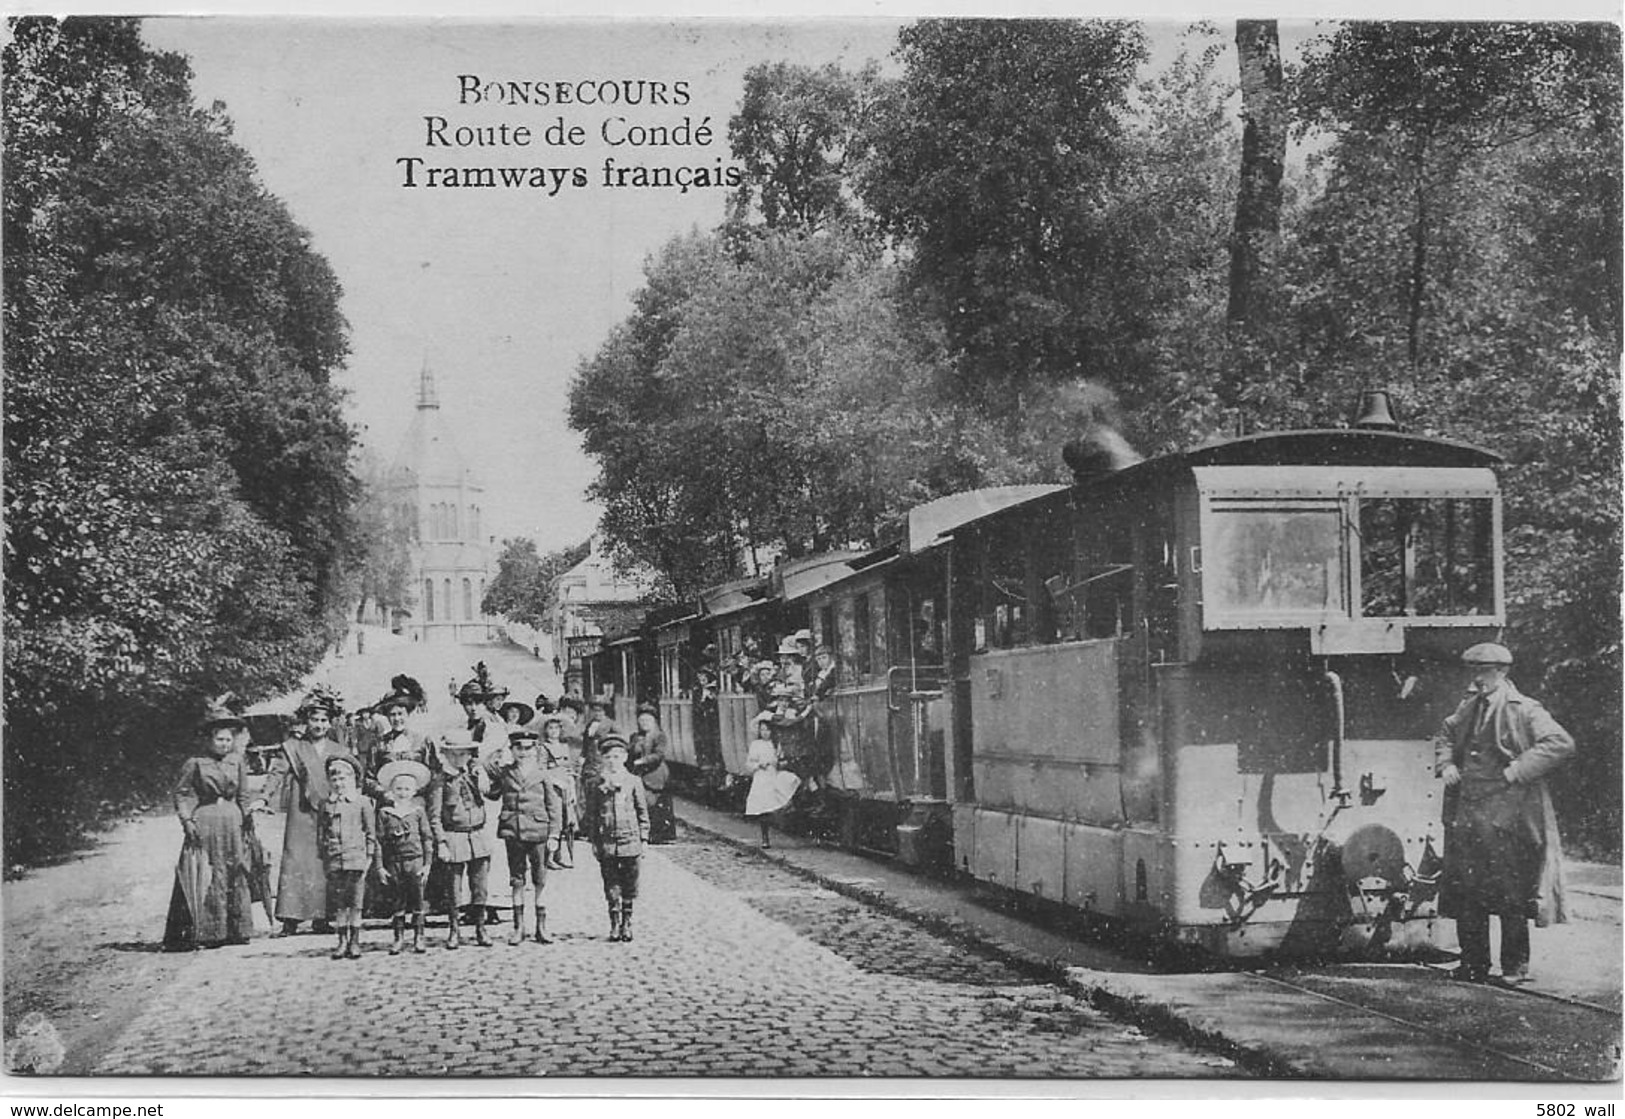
(739, 969)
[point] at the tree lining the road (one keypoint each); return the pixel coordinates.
(990, 271)
(178, 491)
(524, 588)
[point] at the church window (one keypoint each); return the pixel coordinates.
(446, 599)
(468, 600)
(428, 599)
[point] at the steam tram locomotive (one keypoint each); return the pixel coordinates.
(1194, 694)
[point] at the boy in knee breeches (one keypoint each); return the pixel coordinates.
(531, 822)
(347, 835)
(406, 846)
(618, 822)
(457, 819)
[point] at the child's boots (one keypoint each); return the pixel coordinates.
(541, 926)
(454, 935)
(343, 944)
(626, 920)
(417, 934)
(615, 921)
(352, 950)
(398, 927)
(480, 937)
(517, 936)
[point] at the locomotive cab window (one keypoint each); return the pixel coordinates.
(1427, 557)
(1318, 544)
(1275, 558)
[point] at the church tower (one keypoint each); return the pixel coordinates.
(437, 497)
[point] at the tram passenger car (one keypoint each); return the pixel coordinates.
(1194, 695)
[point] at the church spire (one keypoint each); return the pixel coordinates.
(427, 398)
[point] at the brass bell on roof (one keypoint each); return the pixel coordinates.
(1374, 413)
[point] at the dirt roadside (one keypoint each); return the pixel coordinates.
(81, 938)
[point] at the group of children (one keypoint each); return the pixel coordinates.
(440, 815)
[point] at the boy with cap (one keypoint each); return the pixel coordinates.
(1502, 855)
(457, 822)
(406, 846)
(531, 821)
(349, 845)
(618, 823)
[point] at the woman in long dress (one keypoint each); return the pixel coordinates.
(210, 903)
(771, 788)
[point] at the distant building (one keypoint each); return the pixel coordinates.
(431, 491)
(592, 598)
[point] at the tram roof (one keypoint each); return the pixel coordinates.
(796, 579)
(1355, 448)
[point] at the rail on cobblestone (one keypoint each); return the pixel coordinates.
(1145, 1014)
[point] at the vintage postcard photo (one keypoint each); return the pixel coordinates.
(898, 550)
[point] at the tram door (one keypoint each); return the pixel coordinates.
(915, 682)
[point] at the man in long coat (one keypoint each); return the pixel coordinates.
(1502, 854)
(298, 783)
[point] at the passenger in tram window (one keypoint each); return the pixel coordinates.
(618, 824)
(771, 788)
(792, 668)
(457, 818)
(763, 678)
(1502, 854)
(824, 674)
(646, 758)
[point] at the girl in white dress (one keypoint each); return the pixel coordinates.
(770, 787)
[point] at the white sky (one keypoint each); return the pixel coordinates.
(503, 292)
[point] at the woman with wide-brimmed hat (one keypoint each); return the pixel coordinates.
(298, 785)
(210, 904)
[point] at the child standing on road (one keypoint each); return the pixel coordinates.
(407, 847)
(618, 822)
(457, 819)
(555, 755)
(532, 816)
(349, 844)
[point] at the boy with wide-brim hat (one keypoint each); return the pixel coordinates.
(405, 846)
(457, 818)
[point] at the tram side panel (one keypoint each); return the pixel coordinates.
(1046, 761)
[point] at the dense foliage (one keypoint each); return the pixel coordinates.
(931, 281)
(177, 489)
(524, 586)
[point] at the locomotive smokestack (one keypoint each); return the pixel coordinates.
(1099, 451)
(1374, 414)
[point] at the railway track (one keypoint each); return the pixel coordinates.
(1522, 1033)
